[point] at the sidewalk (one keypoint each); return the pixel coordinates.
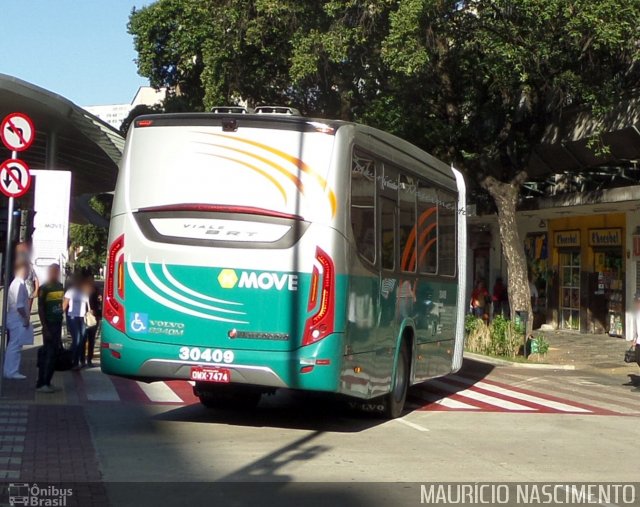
(45, 438)
(598, 351)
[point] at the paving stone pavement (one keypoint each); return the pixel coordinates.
(586, 350)
(45, 439)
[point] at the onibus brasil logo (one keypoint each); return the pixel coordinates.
(40, 496)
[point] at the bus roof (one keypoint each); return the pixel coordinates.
(295, 123)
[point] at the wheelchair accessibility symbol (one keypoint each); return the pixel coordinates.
(139, 322)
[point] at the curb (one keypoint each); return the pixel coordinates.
(504, 362)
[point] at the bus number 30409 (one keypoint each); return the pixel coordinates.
(209, 355)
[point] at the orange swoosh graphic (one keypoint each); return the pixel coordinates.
(256, 169)
(289, 158)
(408, 249)
(296, 181)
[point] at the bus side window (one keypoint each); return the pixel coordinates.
(387, 232)
(447, 213)
(363, 199)
(427, 229)
(407, 223)
(388, 200)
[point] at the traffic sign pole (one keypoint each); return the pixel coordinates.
(17, 134)
(5, 292)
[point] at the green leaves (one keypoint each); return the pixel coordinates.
(474, 81)
(90, 240)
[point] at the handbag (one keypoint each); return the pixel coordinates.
(90, 320)
(630, 356)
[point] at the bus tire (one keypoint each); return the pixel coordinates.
(394, 401)
(228, 397)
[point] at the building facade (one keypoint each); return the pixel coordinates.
(583, 257)
(115, 114)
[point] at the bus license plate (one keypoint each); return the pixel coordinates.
(204, 374)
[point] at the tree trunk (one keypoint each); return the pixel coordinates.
(505, 196)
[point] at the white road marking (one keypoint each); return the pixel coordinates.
(411, 425)
(98, 386)
(563, 407)
(484, 398)
(445, 402)
(159, 392)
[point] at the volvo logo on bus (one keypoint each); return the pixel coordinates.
(228, 279)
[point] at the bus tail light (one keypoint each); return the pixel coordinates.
(114, 281)
(320, 325)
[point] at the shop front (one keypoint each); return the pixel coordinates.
(586, 277)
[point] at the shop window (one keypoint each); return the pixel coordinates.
(363, 198)
(570, 290)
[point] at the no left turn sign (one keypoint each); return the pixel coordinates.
(17, 131)
(15, 178)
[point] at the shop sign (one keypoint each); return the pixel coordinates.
(605, 237)
(567, 239)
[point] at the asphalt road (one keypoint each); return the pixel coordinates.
(519, 425)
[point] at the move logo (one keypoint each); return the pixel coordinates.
(228, 279)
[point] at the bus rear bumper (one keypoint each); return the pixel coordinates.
(314, 367)
(240, 373)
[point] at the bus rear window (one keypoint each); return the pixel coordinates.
(280, 170)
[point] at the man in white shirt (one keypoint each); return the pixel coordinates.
(19, 328)
(23, 253)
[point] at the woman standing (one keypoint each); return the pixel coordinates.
(95, 307)
(19, 327)
(75, 306)
(480, 300)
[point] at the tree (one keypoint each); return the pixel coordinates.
(91, 240)
(476, 82)
(500, 73)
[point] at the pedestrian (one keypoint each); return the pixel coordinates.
(23, 253)
(95, 307)
(50, 301)
(75, 306)
(499, 297)
(19, 329)
(636, 330)
(480, 300)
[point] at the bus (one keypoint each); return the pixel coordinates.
(252, 252)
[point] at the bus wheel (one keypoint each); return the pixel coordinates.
(222, 397)
(394, 401)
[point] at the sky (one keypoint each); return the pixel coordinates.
(79, 49)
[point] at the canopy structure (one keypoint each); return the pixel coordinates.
(67, 138)
(565, 145)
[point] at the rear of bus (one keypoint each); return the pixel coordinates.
(222, 265)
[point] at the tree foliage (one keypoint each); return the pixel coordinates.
(91, 240)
